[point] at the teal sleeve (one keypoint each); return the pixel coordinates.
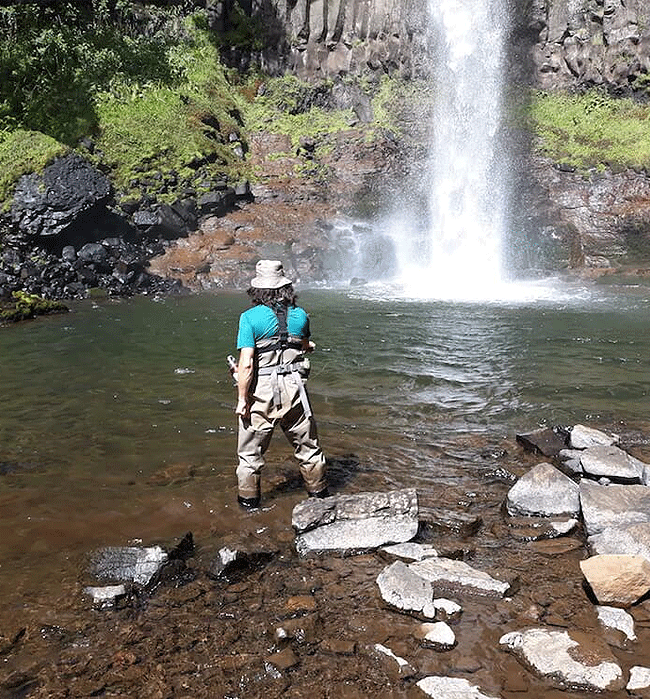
(245, 336)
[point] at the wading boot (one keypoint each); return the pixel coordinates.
(248, 503)
(323, 493)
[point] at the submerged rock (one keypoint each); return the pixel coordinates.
(123, 564)
(355, 523)
(546, 441)
(396, 666)
(613, 506)
(544, 490)
(450, 688)
(563, 661)
(617, 579)
(457, 576)
(404, 590)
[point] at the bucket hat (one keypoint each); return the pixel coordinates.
(269, 274)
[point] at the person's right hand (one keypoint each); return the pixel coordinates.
(243, 409)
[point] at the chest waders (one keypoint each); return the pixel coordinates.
(283, 355)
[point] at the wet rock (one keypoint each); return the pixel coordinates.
(124, 564)
(302, 630)
(396, 667)
(457, 576)
(436, 635)
(566, 660)
(300, 604)
(355, 523)
(613, 506)
(541, 528)
(616, 618)
(613, 463)
(451, 688)
(236, 559)
(443, 519)
(631, 539)
(448, 608)
(544, 490)
(338, 646)
(582, 437)
(412, 551)
(47, 204)
(406, 591)
(546, 441)
(617, 579)
(639, 680)
(105, 596)
(570, 460)
(282, 660)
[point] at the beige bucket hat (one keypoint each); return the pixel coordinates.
(269, 274)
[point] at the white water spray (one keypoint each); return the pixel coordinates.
(461, 255)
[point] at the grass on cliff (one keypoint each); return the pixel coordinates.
(24, 152)
(592, 130)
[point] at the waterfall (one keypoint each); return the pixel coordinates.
(459, 255)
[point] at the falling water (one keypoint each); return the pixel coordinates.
(460, 254)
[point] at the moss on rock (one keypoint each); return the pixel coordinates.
(24, 306)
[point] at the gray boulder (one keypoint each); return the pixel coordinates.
(46, 204)
(612, 462)
(631, 539)
(404, 590)
(582, 437)
(544, 490)
(613, 506)
(355, 523)
(124, 564)
(564, 662)
(457, 576)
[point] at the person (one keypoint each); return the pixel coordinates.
(272, 339)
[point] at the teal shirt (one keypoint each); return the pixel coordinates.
(260, 322)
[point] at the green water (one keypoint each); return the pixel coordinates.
(117, 419)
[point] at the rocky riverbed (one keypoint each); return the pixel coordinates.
(395, 593)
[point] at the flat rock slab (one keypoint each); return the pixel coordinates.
(631, 539)
(566, 661)
(617, 579)
(545, 441)
(613, 506)
(613, 463)
(404, 590)
(412, 551)
(458, 577)
(355, 523)
(544, 490)
(124, 564)
(541, 528)
(581, 437)
(450, 688)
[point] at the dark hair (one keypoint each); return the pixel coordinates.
(273, 297)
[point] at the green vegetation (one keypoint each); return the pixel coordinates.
(24, 152)
(592, 130)
(25, 306)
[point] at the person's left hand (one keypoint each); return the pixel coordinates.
(243, 409)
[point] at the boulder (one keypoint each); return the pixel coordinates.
(437, 635)
(450, 688)
(457, 576)
(639, 680)
(616, 618)
(563, 661)
(405, 591)
(355, 523)
(613, 463)
(582, 437)
(631, 539)
(546, 441)
(544, 490)
(48, 203)
(613, 506)
(617, 579)
(123, 564)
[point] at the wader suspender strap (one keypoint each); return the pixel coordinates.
(291, 368)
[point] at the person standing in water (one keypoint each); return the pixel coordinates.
(273, 339)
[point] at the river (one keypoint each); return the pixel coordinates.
(117, 419)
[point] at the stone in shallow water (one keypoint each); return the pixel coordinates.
(563, 661)
(450, 688)
(355, 523)
(396, 666)
(613, 506)
(449, 574)
(403, 589)
(106, 596)
(582, 437)
(411, 550)
(544, 490)
(612, 462)
(545, 441)
(617, 579)
(437, 635)
(639, 678)
(616, 619)
(122, 564)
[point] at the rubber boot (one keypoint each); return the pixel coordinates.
(248, 503)
(323, 493)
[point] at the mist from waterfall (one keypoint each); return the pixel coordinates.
(456, 250)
